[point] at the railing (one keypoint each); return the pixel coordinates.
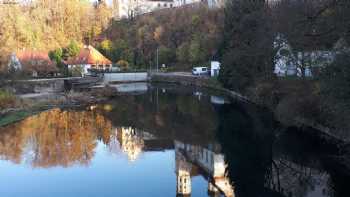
(98, 71)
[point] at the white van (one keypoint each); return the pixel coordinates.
(200, 71)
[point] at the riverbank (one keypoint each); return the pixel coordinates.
(207, 82)
(282, 111)
(41, 102)
(198, 81)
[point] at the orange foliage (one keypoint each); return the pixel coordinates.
(55, 138)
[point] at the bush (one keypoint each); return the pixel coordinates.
(76, 71)
(335, 79)
(6, 99)
(124, 65)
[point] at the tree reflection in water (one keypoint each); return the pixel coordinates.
(238, 150)
(54, 138)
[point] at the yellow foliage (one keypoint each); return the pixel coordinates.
(74, 135)
(124, 65)
(49, 24)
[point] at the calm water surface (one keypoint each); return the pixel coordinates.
(164, 141)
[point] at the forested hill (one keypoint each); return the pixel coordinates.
(185, 37)
(49, 24)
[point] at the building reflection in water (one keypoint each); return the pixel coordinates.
(190, 160)
(131, 142)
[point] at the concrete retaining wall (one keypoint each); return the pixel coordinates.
(125, 77)
(198, 81)
(25, 87)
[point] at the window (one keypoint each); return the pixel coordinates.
(159, 5)
(171, 5)
(204, 69)
(165, 5)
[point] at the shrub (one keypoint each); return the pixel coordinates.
(335, 79)
(124, 65)
(76, 71)
(6, 99)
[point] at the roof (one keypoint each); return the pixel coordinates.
(88, 55)
(39, 61)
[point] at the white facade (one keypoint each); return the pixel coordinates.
(131, 8)
(214, 68)
(14, 63)
(216, 3)
(83, 67)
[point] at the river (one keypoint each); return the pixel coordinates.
(165, 140)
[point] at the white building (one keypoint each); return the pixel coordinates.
(214, 68)
(288, 62)
(131, 8)
(87, 59)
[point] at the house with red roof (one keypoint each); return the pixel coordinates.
(33, 62)
(89, 59)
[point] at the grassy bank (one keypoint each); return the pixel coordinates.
(14, 117)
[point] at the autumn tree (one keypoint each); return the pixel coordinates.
(49, 24)
(172, 32)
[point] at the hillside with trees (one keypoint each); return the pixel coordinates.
(49, 24)
(184, 37)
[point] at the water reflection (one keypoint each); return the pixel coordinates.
(212, 146)
(191, 160)
(131, 141)
(207, 161)
(54, 138)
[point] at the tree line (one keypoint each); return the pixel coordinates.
(184, 37)
(254, 31)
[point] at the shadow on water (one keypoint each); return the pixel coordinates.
(266, 159)
(236, 149)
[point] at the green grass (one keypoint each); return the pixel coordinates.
(14, 117)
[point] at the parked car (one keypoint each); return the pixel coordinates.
(200, 71)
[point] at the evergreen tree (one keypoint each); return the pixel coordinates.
(248, 44)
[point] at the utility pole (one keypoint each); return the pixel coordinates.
(157, 58)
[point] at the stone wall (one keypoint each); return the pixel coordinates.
(25, 87)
